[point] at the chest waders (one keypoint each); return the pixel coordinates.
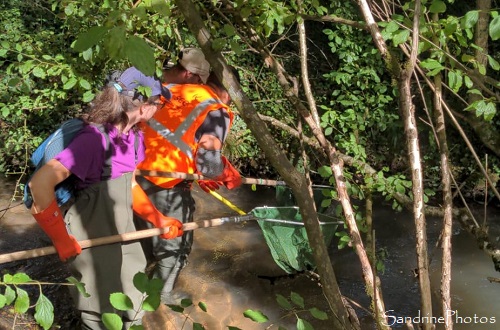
(170, 255)
(104, 209)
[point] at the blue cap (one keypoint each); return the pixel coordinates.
(133, 78)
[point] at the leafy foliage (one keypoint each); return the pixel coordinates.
(14, 294)
(50, 75)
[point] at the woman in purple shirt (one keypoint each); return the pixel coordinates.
(102, 157)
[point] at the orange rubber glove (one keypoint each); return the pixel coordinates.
(209, 185)
(52, 223)
(146, 210)
(230, 177)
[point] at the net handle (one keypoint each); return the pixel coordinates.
(186, 176)
(125, 237)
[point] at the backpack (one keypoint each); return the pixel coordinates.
(51, 147)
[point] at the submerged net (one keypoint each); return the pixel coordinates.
(286, 235)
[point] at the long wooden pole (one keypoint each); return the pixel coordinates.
(185, 176)
(125, 237)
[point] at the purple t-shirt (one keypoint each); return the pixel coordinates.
(85, 155)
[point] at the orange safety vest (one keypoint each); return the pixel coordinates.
(170, 135)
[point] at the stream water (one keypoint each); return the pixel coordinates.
(231, 270)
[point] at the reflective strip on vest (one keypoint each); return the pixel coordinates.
(175, 137)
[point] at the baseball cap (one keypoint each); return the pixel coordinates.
(133, 78)
(193, 60)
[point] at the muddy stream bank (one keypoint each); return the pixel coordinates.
(231, 270)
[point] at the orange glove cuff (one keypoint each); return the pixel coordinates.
(145, 209)
(52, 223)
(230, 176)
(143, 206)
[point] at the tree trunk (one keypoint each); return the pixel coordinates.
(297, 182)
(486, 132)
(407, 109)
(439, 123)
(447, 204)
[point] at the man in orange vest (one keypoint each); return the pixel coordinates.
(186, 136)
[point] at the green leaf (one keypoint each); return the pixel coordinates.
(481, 68)
(155, 285)
(3, 301)
(87, 54)
(318, 314)
(297, 299)
(256, 316)
(437, 7)
(186, 302)
(283, 302)
(115, 42)
(90, 38)
(198, 326)
(235, 47)
(218, 44)
(468, 82)
(22, 301)
(495, 28)
(431, 64)
(326, 202)
(88, 96)
(44, 312)
(136, 327)
(304, 325)
(152, 302)
(470, 19)
(112, 321)
(487, 110)
(13, 82)
(202, 306)
(391, 27)
(9, 295)
(140, 55)
(20, 278)
(229, 327)
(325, 171)
(79, 285)
(245, 12)
(141, 282)
(121, 301)
(70, 83)
(85, 84)
(229, 30)
(162, 8)
(401, 37)
(39, 72)
(455, 80)
(493, 63)
(7, 279)
(176, 308)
